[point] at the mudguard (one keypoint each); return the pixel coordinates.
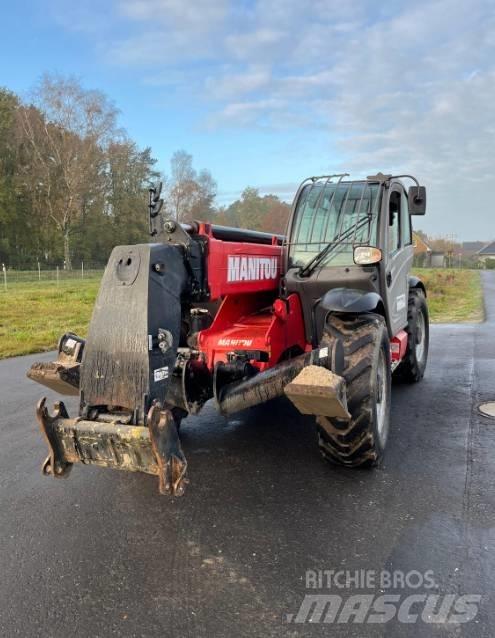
(351, 300)
(415, 282)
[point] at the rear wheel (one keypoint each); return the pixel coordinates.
(412, 367)
(361, 440)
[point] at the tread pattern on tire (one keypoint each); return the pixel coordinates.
(353, 443)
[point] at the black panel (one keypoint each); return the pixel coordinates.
(415, 282)
(226, 233)
(350, 300)
(138, 307)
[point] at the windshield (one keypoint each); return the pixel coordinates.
(326, 212)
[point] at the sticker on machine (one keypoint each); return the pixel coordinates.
(160, 374)
(232, 343)
(400, 302)
(252, 268)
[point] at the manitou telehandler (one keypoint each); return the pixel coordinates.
(324, 315)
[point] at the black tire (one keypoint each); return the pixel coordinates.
(360, 441)
(412, 367)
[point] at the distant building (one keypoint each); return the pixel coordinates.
(422, 252)
(487, 252)
(470, 248)
(438, 259)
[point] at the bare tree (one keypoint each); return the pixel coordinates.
(190, 195)
(182, 184)
(206, 190)
(66, 129)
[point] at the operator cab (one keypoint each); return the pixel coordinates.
(352, 237)
(343, 214)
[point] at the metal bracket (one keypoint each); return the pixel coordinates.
(174, 233)
(380, 178)
(168, 453)
(55, 463)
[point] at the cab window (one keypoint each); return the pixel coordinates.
(342, 214)
(394, 222)
(405, 221)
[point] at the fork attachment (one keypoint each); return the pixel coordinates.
(153, 449)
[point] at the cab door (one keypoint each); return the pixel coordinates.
(399, 257)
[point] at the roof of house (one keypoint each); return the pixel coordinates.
(472, 247)
(421, 246)
(488, 250)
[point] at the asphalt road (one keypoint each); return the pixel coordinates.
(103, 554)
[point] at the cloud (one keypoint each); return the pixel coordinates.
(197, 16)
(233, 85)
(255, 44)
(411, 92)
(165, 32)
(255, 114)
(397, 86)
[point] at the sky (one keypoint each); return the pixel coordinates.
(267, 93)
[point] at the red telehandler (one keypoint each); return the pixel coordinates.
(324, 315)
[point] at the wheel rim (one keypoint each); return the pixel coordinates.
(382, 398)
(420, 337)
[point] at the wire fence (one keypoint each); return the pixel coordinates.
(55, 275)
(93, 271)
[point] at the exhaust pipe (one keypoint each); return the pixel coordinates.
(271, 384)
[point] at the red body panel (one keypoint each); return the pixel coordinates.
(253, 322)
(398, 346)
(241, 268)
(251, 317)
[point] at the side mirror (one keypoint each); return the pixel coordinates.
(416, 197)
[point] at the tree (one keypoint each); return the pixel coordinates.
(203, 206)
(130, 171)
(72, 184)
(21, 232)
(276, 215)
(8, 160)
(422, 234)
(252, 211)
(247, 211)
(67, 129)
(444, 244)
(190, 195)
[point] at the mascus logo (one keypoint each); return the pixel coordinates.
(244, 268)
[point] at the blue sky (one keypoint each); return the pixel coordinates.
(266, 93)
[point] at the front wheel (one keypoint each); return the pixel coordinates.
(361, 440)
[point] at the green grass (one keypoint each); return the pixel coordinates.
(34, 315)
(454, 296)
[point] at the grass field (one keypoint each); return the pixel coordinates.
(34, 315)
(454, 296)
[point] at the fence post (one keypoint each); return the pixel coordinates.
(82, 269)
(39, 272)
(4, 276)
(57, 275)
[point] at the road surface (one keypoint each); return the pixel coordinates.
(103, 554)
